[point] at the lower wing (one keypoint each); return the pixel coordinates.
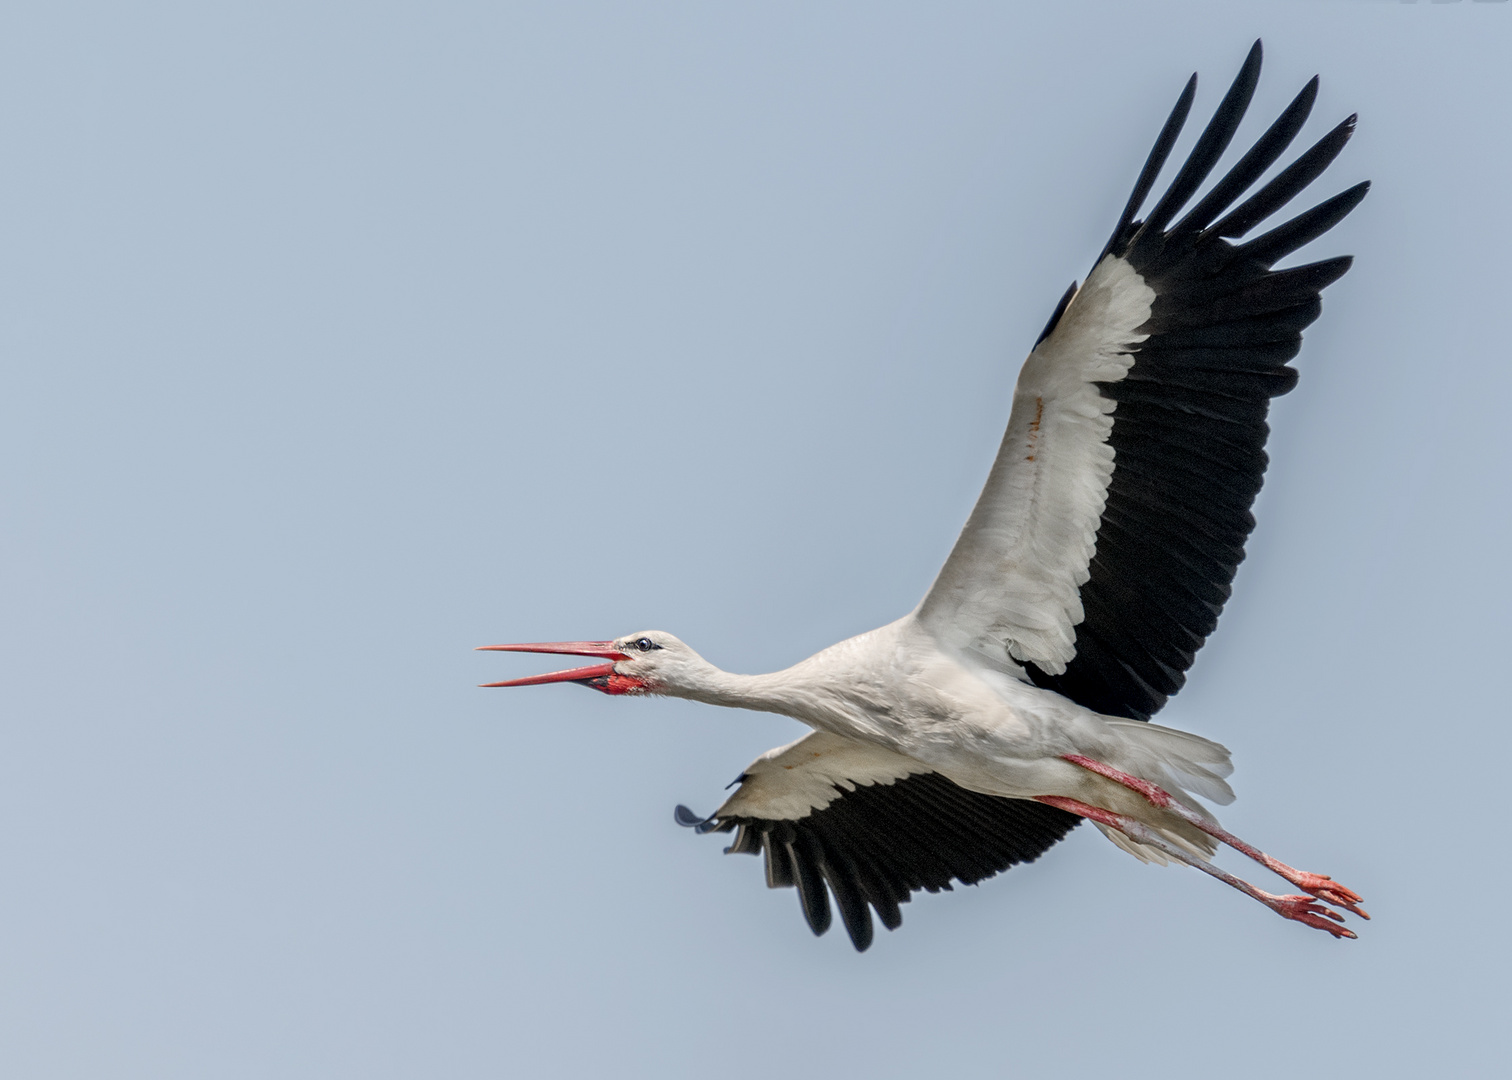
(834, 815)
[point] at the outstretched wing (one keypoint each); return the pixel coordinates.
(834, 815)
(1104, 545)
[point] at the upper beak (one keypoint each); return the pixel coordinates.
(598, 676)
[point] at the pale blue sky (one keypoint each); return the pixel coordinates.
(341, 338)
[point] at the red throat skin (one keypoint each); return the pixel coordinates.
(615, 683)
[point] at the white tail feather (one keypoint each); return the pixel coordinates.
(1192, 764)
(1183, 764)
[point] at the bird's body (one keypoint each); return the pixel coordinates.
(896, 689)
(976, 731)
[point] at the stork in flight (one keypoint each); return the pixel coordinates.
(980, 728)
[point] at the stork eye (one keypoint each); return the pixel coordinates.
(645, 644)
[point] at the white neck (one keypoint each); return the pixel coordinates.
(785, 692)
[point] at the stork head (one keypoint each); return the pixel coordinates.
(649, 662)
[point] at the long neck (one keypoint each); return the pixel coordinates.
(787, 692)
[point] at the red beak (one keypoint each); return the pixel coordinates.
(599, 676)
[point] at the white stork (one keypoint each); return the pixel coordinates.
(977, 730)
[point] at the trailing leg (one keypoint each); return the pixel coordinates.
(1319, 885)
(1297, 908)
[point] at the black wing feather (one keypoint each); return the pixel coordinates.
(1287, 185)
(876, 845)
(1261, 156)
(1164, 143)
(1190, 427)
(1211, 144)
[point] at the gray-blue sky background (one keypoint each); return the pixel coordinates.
(339, 339)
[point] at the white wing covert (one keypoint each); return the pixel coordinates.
(1010, 588)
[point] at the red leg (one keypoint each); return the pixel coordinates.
(1297, 908)
(1320, 885)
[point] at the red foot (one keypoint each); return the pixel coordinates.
(1301, 909)
(1322, 886)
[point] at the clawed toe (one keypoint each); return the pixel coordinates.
(1347, 900)
(1302, 909)
(1328, 890)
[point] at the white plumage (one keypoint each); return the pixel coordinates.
(1010, 588)
(974, 732)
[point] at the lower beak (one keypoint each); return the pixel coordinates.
(577, 674)
(598, 676)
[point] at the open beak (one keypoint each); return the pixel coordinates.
(598, 676)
